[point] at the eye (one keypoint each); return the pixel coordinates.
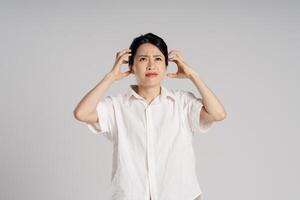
(142, 59)
(159, 58)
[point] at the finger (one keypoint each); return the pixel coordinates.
(124, 55)
(179, 55)
(176, 60)
(174, 54)
(174, 51)
(121, 60)
(173, 59)
(172, 75)
(124, 51)
(171, 56)
(124, 74)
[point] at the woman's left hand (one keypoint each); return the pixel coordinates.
(183, 71)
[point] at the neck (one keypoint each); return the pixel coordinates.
(148, 93)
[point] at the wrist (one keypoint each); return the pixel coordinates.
(192, 75)
(110, 75)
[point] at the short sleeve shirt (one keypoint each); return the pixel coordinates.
(152, 143)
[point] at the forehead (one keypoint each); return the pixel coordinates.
(148, 49)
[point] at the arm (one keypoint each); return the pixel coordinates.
(85, 111)
(213, 109)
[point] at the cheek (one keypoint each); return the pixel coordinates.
(139, 71)
(163, 68)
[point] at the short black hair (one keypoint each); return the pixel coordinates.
(148, 38)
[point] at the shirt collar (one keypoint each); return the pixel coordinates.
(163, 96)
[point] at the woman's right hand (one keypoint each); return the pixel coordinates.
(118, 62)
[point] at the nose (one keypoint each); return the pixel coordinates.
(151, 65)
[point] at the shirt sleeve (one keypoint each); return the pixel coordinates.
(192, 106)
(106, 119)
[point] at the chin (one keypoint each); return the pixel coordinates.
(150, 84)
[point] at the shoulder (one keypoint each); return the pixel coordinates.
(183, 94)
(118, 98)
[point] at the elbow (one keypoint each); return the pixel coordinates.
(221, 116)
(77, 115)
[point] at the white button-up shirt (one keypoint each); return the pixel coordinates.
(153, 154)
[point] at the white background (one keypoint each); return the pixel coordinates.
(53, 53)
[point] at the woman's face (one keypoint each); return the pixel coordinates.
(149, 59)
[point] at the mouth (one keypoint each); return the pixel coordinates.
(151, 75)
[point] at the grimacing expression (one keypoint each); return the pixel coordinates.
(148, 59)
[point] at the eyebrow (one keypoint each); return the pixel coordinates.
(148, 56)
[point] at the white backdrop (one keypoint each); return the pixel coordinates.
(53, 53)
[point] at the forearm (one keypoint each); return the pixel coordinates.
(89, 102)
(210, 101)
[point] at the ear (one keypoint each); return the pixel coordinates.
(132, 69)
(166, 67)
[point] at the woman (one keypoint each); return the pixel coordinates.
(150, 126)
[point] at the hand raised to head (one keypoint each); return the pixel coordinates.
(120, 56)
(183, 71)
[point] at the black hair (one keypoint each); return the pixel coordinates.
(148, 38)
